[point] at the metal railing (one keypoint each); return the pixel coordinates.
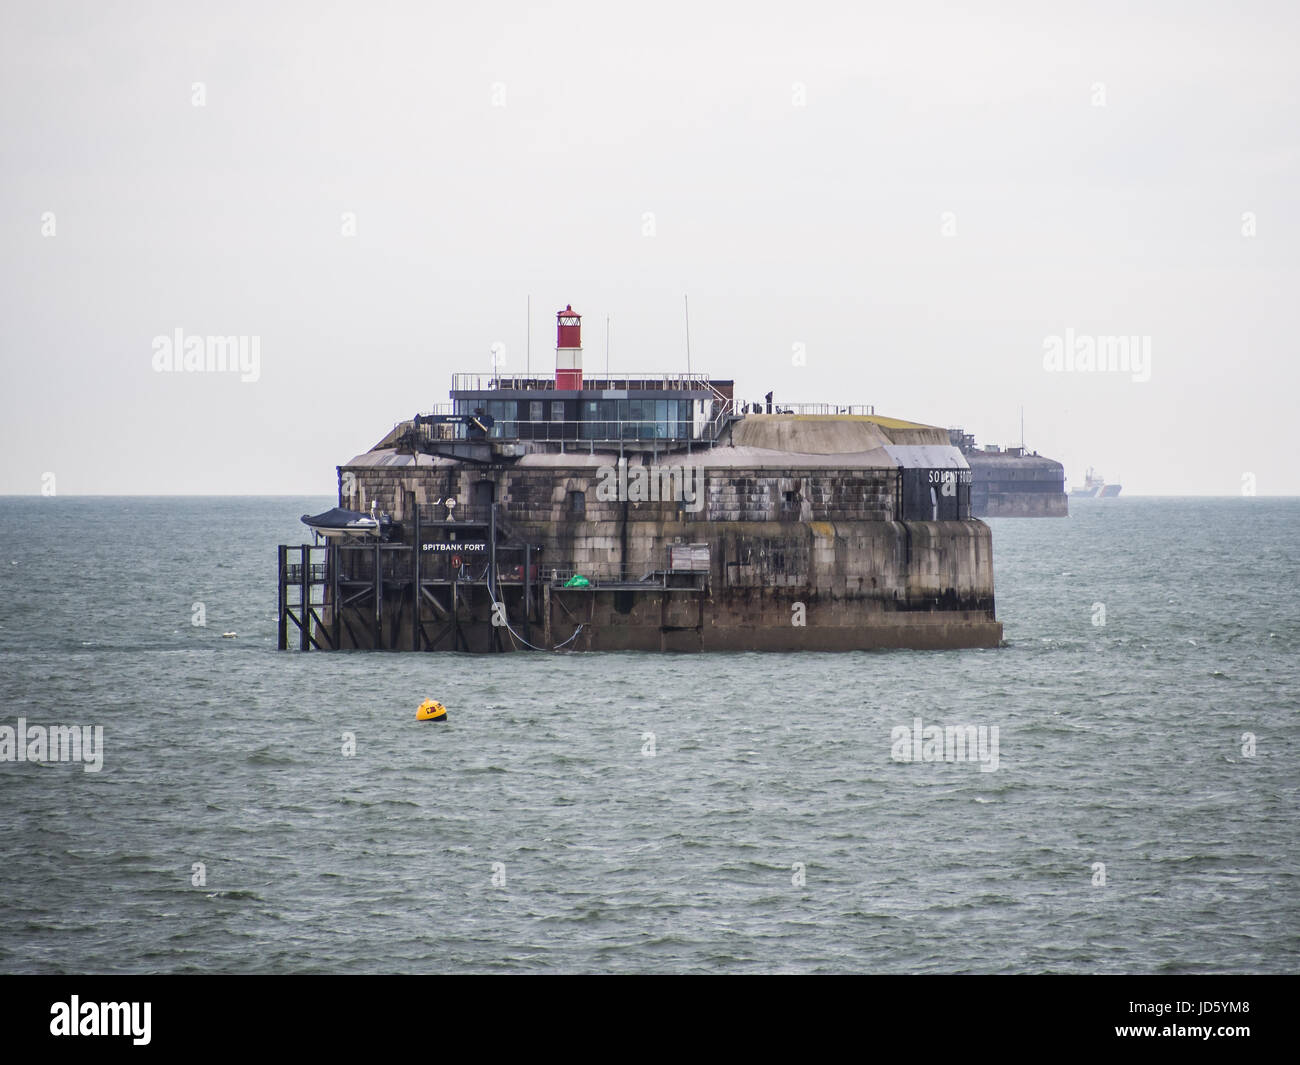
(722, 417)
(851, 409)
(480, 513)
(318, 573)
(648, 431)
(664, 382)
(597, 431)
(599, 574)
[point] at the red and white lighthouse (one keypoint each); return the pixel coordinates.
(568, 349)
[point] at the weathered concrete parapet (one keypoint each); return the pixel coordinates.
(542, 494)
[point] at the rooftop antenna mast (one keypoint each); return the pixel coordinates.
(607, 349)
(687, 301)
(1022, 427)
(528, 342)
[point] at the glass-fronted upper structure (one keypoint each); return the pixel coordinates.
(663, 409)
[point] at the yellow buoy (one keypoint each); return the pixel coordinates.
(431, 710)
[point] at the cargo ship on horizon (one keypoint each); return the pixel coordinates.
(1095, 487)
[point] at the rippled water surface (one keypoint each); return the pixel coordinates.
(1119, 744)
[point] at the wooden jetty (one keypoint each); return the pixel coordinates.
(455, 581)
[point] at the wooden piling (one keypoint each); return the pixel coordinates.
(283, 642)
(546, 615)
(304, 597)
(416, 551)
(332, 560)
(528, 587)
(379, 599)
(455, 611)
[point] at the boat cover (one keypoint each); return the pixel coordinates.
(338, 518)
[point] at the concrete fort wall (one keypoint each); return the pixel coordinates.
(800, 559)
(602, 619)
(545, 493)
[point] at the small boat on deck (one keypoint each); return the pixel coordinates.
(338, 523)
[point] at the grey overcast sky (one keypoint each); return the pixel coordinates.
(921, 195)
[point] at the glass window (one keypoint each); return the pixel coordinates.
(535, 408)
(608, 427)
(557, 410)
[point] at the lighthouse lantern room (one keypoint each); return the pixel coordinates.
(568, 350)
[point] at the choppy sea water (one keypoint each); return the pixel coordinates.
(770, 831)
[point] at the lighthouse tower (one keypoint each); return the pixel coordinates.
(568, 349)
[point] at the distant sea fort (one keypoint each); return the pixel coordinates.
(1012, 482)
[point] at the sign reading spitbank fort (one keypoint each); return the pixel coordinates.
(647, 511)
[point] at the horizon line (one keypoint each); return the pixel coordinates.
(285, 495)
